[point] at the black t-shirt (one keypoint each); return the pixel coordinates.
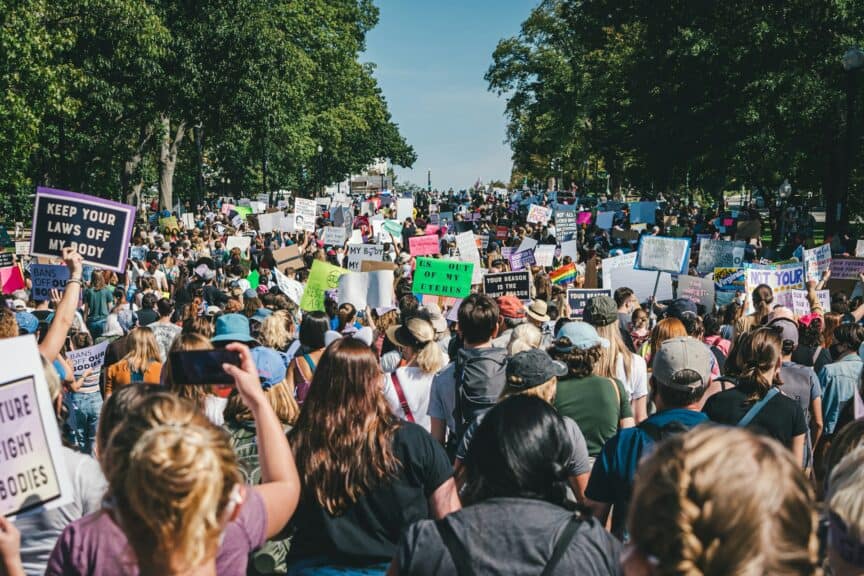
(510, 536)
(781, 418)
(369, 531)
(807, 356)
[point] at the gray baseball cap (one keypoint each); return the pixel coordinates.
(682, 363)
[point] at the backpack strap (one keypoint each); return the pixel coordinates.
(561, 545)
(309, 361)
(457, 551)
(757, 407)
(401, 394)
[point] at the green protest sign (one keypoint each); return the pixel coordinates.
(322, 277)
(442, 277)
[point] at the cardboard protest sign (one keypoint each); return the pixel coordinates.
(362, 289)
(521, 260)
(33, 473)
(780, 277)
(7, 259)
(539, 214)
(322, 277)
(289, 258)
(11, 279)
(697, 289)
(796, 301)
(544, 254)
(846, 268)
(98, 229)
(604, 220)
(333, 236)
(372, 266)
(443, 277)
(817, 261)
(241, 242)
(619, 271)
(358, 253)
(424, 245)
(304, 214)
(578, 299)
(47, 277)
(514, 283)
(747, 229)
(404, 209)
(663, 254)
(719, 254)
(643, 212)
(467, 246)
(290, 287)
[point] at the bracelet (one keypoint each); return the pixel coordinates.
(75, 281)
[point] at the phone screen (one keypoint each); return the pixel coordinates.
(202, 366)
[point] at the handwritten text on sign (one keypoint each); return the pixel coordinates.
(443, 277)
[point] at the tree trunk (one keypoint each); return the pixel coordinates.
(131, 182)
(168, 160)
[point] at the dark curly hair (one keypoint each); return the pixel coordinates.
(580, 363)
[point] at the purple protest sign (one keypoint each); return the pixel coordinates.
(519, 260)
(98, 229)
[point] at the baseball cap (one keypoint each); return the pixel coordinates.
(787, 328)
(600, 311)
(578, 335)
(532, 368)
(270, 365)
(510, 306)
(27, 322)
(682, 363)
(681, 307)
(250, 293)
(261, 314)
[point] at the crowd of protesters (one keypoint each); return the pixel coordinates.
(503, 436)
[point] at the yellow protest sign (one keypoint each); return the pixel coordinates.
(322, 277)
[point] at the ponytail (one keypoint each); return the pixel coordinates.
(758, 353)
(429, 357)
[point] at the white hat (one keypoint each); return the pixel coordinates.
(19, 305)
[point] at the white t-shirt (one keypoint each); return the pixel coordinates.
(637, 384)
(416, 386)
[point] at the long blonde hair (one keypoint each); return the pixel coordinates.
(608, 364)
(274, 332)
(171, 474)
(699, 511)
(143, 350)
(280, 397)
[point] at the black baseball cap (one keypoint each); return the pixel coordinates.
(532, 368)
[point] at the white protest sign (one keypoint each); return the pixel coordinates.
(817, 261)
(796, 301)
(84, 359)
(544, 254)
(33, 473)
(269, 222)
(22, 248)
(258, 207)
(289, 223)
(304, 211)
(859, 248)
(241, 242)
(468, 253)
(356, 237)
(527, 244)
(570, 248)
(357, 253)
(288, 286)
(780, 277)
(333, 236)
(604, 220)
(663, 254)
(539, 214)
(237, 221)
(362, 289)
(404, 209)
(618, 272)
(188, 220)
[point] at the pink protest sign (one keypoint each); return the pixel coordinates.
(583, 218)
(11, 279)
(431, 229)
(424, 245)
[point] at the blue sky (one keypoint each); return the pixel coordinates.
(431, 56)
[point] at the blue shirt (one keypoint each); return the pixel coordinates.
(612, 476)
(839, 380)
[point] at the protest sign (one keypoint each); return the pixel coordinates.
(544, 254)
(47, 277)
(169, 224)
(817, 261)
(269, 222)
(796, 301)
(501, 232)
(583, 218)
(91, 358)
(846, 268)
(289, 258)
(539, 214)
(729, 279)
(424, 245)
(356, 237)
(527, 244)
(404, 209)
(227, 208)
(7, 259)
(22, 248)
(288, 286)
(780, 277)
(362, 289)
(289, 223)
(443, 277)
(747, 229)
(570, 248)
(304, 214)
(98, 229)
(467, 246)
(604, 220)
(33, 473)
(578, 299)
(243, 211)
(322, 277)
(372, 266)
(358, 253)
(11, 279)
(241, 242)
(392, 227)
(719, 254)
(663, 254)
(237, 221)
(323, 202)
(619, 271)
(697, 289)
(521, 260)
(643, 212)
(565, 222)
(333, 236)
(188, 221)
(257, 207)
(138, 253)
(445, 218)
(514, 283)
(859, 248)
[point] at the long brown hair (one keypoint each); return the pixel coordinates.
(343, 439)
(758, 352)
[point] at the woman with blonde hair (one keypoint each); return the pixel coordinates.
(141, 364)
(757, 401)
(176, 502)
(682, 521)
(367, 475)
(277, 331)
(524, 337)
(407, 388)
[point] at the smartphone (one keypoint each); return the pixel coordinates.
(198, 367)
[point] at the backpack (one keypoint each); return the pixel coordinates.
(660, 433)
(480, 376)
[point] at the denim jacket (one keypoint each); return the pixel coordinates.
(839, 380)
